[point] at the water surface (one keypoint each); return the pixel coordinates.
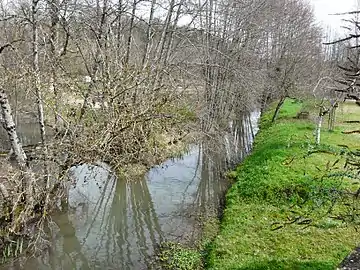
(114, 223)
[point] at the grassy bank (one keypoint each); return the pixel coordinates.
(287, 209)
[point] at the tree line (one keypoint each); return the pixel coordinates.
(105, 80)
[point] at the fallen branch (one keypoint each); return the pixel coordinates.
(350, 132)
(321, 151)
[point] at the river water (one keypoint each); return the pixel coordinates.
(114, 223)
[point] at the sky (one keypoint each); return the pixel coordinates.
(323, 9)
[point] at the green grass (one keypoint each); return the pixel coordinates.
(280, 213)
(171, 255)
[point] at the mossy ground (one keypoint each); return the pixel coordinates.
(287, 209)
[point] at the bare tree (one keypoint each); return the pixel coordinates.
(124, 82)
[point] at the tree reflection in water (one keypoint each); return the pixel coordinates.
(113, 223)
(110, 224)
(216, 156)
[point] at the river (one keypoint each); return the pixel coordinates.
(114, 223)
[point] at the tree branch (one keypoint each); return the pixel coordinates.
(342, 40)
(3, 47)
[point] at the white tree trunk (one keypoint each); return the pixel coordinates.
(318, 129)
(9, 125)
(323, 111)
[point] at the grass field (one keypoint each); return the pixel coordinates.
(287, 208)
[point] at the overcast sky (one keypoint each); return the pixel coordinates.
(323, 8)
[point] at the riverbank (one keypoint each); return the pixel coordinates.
(287, 207)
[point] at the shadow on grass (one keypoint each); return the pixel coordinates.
(288, 265)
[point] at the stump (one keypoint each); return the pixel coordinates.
(303, 115)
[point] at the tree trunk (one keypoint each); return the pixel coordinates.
(54, 17)
(161, 47)
(171, 36)
(9, 125)
(36, 84)
(161, 44)
(129, 41)
(169, 43)
(118, 30)
(148, 35)
(278, 107)
(322, 112)
(332, 114)
(265, 97)
(29, 180)
(318, 130)
(101, 37)
(208, 68)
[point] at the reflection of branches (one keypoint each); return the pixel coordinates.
(103, 219)
(116, 227)
(199, 157)
(112, 222)
(211, 161)
(214, 162)
(71, 243)
(138, 201)
(98, 207)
